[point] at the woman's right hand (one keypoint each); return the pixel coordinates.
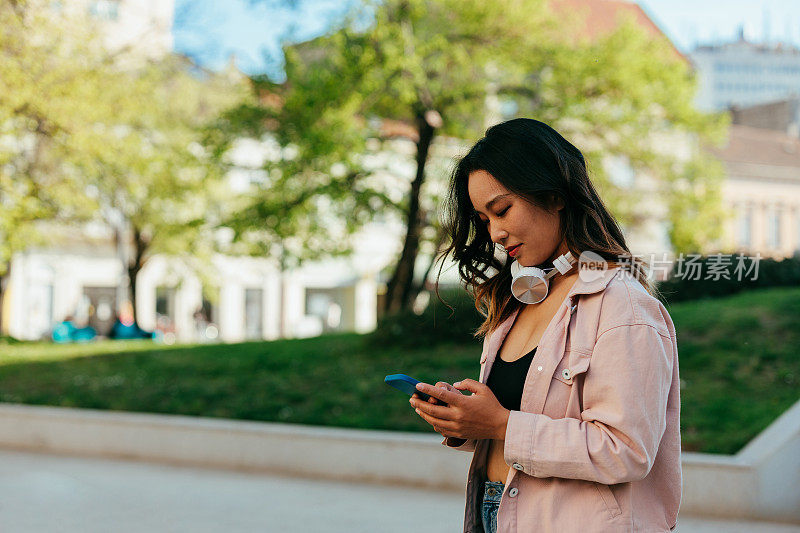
(431, 399)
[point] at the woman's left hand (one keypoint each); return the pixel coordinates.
(478, 416)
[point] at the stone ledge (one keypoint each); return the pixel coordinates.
(759, 483)
(320, 452)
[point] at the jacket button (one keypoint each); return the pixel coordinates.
(513, 492)
(566, 373)
(517, 466)
(539, 369)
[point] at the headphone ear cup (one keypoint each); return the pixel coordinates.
(529, 285)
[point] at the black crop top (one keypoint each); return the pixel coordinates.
(507, 379)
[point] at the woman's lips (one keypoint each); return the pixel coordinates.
(513, 250)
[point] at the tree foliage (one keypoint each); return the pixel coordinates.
(146, 168)
(628, 94)
(449, 67)
(91, 132)
(49, 87)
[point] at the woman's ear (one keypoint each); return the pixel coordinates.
(556, 202)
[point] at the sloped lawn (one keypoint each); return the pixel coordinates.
(739, 359)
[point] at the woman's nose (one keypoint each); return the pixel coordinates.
(498, 235)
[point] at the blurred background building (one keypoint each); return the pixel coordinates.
(760, 85)
(762, 186)
(742, 73)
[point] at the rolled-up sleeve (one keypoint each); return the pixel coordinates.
(465, 445)
(625, 393)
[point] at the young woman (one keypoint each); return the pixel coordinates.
(574, 423)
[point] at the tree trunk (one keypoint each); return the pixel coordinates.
(281, 293)
(123, 287)
(422, 285)
(140, 247)
(400, 287)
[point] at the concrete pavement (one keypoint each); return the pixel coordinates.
(50, 493)
(45, 493)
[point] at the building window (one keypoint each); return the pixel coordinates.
(325, 304)
(105, 9)
(797, 242)
(254, 314)
(102, 308)
(745, 225)
(774, 229)
(206, 317)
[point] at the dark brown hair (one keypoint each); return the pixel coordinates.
(534, 161)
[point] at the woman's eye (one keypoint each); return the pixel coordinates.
(500, 214)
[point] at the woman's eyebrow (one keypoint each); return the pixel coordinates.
(495, 199)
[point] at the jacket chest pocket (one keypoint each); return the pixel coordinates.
(563, 398)
(573, 364)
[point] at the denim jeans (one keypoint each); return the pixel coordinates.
(492, 491)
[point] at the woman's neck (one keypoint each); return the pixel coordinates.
(564, 280)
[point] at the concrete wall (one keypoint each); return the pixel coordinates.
(758, 483)
(761, 481)
(341, 454)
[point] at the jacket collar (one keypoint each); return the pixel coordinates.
(595, 282)
(590, 286)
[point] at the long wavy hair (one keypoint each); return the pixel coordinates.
(534, 161)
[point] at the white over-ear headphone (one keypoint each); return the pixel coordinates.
(529, 285)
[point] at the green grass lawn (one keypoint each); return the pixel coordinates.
(738, 356)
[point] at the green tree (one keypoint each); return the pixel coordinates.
(47, 85)
(88, 132)
(445, 67)
(630, 95)
(146, 168)
(338, 89)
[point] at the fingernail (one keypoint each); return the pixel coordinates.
(419, 386)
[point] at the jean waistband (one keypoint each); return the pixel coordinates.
(493, 491)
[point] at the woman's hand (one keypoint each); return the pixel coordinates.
(434, 401)
(478, 416)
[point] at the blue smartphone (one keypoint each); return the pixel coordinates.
(408, 385)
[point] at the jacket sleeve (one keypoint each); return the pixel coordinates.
(465, 445)
(625, 393)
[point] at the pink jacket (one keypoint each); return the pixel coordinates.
(596, 445)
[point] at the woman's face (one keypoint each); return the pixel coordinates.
(530, 234)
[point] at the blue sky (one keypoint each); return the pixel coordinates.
(212, 30)
(689, 21)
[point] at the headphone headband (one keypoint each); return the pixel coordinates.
(529, 284)
(561, 265)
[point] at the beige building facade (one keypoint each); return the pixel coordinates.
(762, 191)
